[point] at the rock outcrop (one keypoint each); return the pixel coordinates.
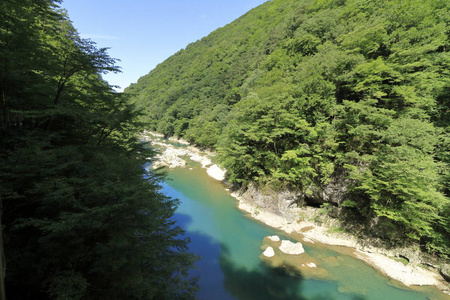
(292, 258)
(269, 252)
(289, 247)
(173, 157)
(216, 172)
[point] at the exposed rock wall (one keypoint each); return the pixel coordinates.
(282, 203)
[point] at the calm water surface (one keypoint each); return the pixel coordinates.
(230, 245)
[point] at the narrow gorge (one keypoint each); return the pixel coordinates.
(290, 243)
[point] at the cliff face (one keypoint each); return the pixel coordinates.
(281, 202)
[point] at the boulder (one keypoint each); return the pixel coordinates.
(290, 248)
(216, 172)
(269, 252)
(274, 238)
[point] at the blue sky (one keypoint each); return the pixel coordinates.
(143, 33)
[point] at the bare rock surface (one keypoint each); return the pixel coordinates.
(289, 247)
(408, 275)
(292, 258)
(269, 252)
(216, 172)
(274, 238)
(172, 157)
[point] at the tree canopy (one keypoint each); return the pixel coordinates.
(81, 217)
(307, 94)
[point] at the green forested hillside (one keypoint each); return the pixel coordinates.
(350, 95)
(81, 219)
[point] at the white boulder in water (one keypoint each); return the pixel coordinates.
(274, 238)
(215, 172)
(290, 248)
(269, 252)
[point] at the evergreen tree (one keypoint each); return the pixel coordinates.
(82, 218)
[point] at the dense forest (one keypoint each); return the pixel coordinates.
(81, 217)
(345, 101)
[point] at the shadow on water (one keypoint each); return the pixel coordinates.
(182, 220)
(266, 283)
(208, 268)
(262, 284)
(220, 278)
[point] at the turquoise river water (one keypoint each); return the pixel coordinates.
(229, 244)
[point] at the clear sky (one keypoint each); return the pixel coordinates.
(143, 33)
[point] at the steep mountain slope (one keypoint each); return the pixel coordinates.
(344, 101)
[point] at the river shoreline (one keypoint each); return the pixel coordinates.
(308, 231)
(302, 229)
(410, 275)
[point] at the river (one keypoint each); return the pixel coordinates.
(229, 244)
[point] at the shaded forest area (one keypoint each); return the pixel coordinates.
(348, 99)
(81, 217)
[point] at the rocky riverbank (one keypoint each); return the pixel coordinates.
(172, 157)
(299, 223)
(279, 211)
